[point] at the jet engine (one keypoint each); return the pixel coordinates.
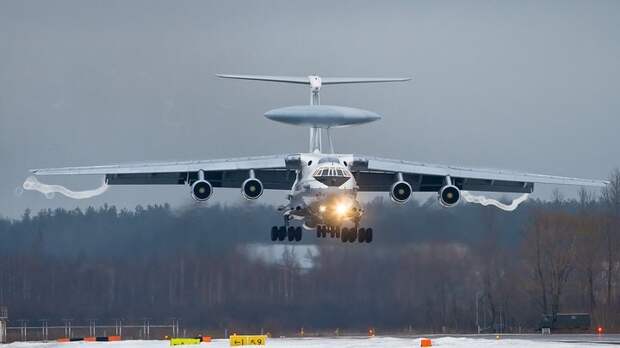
(201, 190)
(400, 192)
(449, 195)
(252, 188)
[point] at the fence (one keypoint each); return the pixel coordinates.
(43, 331)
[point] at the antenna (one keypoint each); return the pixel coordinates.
(316, 82)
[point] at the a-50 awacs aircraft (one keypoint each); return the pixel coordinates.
(323, 186)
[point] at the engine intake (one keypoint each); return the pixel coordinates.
(449, 195)
(201, 190)
(252, 188)
(400, 192)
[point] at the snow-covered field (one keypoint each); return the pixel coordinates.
(382, 342)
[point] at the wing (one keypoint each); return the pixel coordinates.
(276, 172)
(378, 174)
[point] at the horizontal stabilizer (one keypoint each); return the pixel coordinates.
(340, 80)
(286, 79)
(306, 80)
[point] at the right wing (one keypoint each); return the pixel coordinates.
(276, 172)
(378, 174)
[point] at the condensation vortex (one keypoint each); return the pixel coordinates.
(32, 184)
(482, 200)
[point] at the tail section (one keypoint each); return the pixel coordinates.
(315, 81)
(318, 118)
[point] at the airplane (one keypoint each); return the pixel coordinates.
(323, 185)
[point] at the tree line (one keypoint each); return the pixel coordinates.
(428, 268)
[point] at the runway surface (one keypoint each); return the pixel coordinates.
(566, 341)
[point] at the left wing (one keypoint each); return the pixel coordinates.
(378, 174)
(276, 172)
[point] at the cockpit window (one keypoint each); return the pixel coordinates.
(332, 171)
(333, 175)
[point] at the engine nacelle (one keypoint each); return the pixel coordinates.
(251, 188)
(449, 195)
(201, 190)
(400, 192)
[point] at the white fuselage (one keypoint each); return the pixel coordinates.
(325, 191)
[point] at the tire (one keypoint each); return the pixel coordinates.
(368, 235)
(337, 232)
(298, 234)
(291, 234)
(318, 231)
(352, 235)
(361, 235)
(274, 233)
(281, 233)
(344, 234)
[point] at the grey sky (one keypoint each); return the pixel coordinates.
(529, 85)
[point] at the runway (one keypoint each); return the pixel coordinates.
(526, 340)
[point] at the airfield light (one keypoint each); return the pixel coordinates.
(322, 208)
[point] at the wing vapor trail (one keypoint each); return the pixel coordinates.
(482, 200)
(32, 184)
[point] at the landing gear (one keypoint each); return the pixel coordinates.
(274, 233)
(279, 233)
(323, 230)
(352, 234)
(364, 235)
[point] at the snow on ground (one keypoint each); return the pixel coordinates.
(381, 342)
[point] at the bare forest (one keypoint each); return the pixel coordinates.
(428, 269)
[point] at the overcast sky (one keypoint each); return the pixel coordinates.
(528, 85)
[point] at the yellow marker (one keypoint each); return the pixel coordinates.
(248, 340)
(184, 341)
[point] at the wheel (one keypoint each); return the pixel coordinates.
(344, 234)
(361, 235)
(298, 234)
(352, 235)
(274, 233)
(318, 231)
(337, 232)
(281, 233)
(291, 234)
(323, 232)
(332, 231)
(368, 235)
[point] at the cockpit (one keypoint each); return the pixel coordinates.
(332, 175)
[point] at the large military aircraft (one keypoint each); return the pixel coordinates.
(323, 185)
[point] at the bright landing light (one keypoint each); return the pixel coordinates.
(322, 209)
(342, 208)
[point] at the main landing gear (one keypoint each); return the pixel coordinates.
(362, 235)
(279, 233)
